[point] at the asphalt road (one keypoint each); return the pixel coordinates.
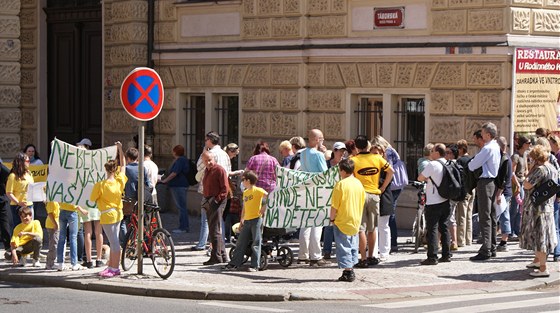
(26, 298)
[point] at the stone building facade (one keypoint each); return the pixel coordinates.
(272, 69)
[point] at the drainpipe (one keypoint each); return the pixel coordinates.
(150, 63)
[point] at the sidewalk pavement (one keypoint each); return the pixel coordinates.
(400, 276)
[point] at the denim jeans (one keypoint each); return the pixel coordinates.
(68, 219)
(515, 213)
(251, 234)
(505, 222)
(203, 236)
(328, 238)
(346, 248)
(393, 218)
(179, 195)
(557, 221)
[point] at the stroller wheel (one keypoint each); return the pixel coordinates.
(232, 252)
(285, 256)
(263, 261)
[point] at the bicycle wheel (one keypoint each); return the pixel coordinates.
(163, 253)
(285, 256)
(128, 255)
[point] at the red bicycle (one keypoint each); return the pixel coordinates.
(157, 243)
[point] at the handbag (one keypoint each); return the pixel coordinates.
(400, 176)
(386, 198)
(545, 191)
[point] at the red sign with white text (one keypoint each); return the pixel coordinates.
(388, 17)
(537, 61)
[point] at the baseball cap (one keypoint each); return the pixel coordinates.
(339, 145)
(84, 142)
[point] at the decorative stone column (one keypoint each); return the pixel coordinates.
(10, 77)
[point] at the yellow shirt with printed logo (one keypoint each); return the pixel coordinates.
(367, 168)
(252, 201)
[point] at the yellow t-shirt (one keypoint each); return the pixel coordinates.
(252, 201)
(367, 168)
(54, 208)
(19, 187)
(348, 198)
(108, 195)
(68, 207)
(33, 227)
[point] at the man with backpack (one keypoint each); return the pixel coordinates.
(437, 208)
(489, 159)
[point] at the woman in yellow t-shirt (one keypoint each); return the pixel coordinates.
(16, 186)
(108, 195)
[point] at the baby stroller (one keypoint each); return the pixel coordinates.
(273, 239)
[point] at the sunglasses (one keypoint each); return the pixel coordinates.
(25, 214)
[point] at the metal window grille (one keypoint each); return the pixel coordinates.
(195, 131)
(410, 133)
(228, 121)
(369, 117)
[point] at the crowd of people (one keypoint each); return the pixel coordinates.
(364, 201)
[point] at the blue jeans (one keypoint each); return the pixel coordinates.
(505, 223)
(557, 221)
(346, 248)
(515, 215)
(179, 195)
(328, 238)
(393, 218)
(250, 235)
(68, 219)
(203, 236)
(15, 216)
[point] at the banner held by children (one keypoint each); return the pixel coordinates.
(300, 199)
(73, 171)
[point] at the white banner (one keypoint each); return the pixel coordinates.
(73, 171)
(300, 199)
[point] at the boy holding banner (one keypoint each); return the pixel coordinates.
(348, 200)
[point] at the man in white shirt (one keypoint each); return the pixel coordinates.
(437, 208)
(151, 171)
(489, 159)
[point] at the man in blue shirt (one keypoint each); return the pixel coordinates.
(312, 160)
(489, 159)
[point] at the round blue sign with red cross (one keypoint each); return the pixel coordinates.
(142, 94)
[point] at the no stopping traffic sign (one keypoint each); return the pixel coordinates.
(142, 94)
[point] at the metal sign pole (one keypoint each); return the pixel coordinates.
(140, 186)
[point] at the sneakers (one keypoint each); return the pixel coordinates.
(87, 264)
(103, 272)
(536, 265)
(22, 261)
(195, 248)
(501, 248)
(8, 255)
(454, 247)
(302, 261)
(479, 257)
(212, 262)
(513, 238)
(37, 264)
(77, 267)
(538, 273)
(60, 267)
(318, 263)
(347, 276)
(252, 269)
(327, 256)
(99, 263)
(228, 267)
(372, 261)
(444, 259)
(109, 272)
(362, 264)
(429, 262)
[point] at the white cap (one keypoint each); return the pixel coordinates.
(84, 142)
(339, 145)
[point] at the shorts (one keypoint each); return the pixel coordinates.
(370, 217)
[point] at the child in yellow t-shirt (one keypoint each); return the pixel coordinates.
(51, 224)
(250, 224)
(27, 238)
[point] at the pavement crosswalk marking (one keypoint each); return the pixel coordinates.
(443, 300)
(490, 307)
(243, 307)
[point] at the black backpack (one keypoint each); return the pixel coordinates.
(191, 174)
(294, 160)
(451, 186)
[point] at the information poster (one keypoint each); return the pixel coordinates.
(537, 89)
